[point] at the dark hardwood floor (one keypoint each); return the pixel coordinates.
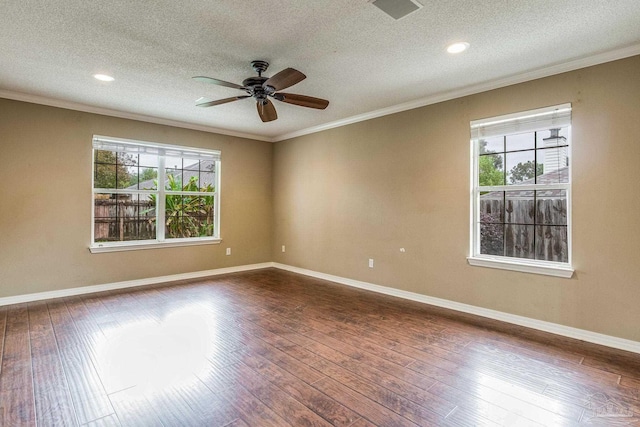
(272, 348)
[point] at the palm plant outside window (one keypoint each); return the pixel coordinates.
(152, 194)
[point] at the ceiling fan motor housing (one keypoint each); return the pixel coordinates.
(255, 88)
(253, 82)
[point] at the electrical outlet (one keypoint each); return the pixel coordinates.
(283, 248)
(370, 262)
(228, 251)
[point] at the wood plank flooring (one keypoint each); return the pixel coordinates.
(272, 348)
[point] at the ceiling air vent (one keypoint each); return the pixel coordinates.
(397, 8)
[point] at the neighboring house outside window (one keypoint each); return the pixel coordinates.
(521, 192)
(148, 195)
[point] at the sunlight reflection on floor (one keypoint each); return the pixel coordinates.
(525, 407)
(154, 356)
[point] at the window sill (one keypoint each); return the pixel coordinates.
(540, 267)
(134, 246)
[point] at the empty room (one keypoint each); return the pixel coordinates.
(316, 213)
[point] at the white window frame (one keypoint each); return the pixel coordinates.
(533, 120)
(161, 150)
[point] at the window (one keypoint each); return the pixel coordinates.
(148, 195)
(521, 192)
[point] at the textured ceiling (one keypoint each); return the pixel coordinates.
(352, 53)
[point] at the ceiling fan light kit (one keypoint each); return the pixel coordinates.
(262, 88)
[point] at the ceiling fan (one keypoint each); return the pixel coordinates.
(261, 88)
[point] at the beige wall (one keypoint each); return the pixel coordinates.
(45, 201)
(339, 197)
(366, 190)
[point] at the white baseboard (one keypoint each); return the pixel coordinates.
(554, 328)
(129, 284)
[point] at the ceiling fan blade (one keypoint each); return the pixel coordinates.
(302, 100)
(284, 79)
(221, 101)
(217, 82)
(267, 111)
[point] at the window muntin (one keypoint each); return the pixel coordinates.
(521, 188)
(128, 204)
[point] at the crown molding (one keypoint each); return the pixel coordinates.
(564, 67)
(69, 105)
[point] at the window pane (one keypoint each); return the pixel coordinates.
(551, 243)
(195, 165)
(491, 169)
(553, 165)
(492, 239)
(173, 162)
(127, 159)
(145, 179)
(552, 137)
(208, 165)
(105, 157)
(207, 181)
(148, 161)
(519, 207)
(491, 145)
(519, 240)
(191, 180)
(521, 141)
(104, 176)
(520, 167)
(174, 179)
(204, 216)
(108, 172)
(551, 207)
(189, 216)
(492, 207)
(124, 217)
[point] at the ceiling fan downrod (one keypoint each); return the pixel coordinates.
(260, 66)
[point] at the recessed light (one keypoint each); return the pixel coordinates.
(457, 47)
(103, 77)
